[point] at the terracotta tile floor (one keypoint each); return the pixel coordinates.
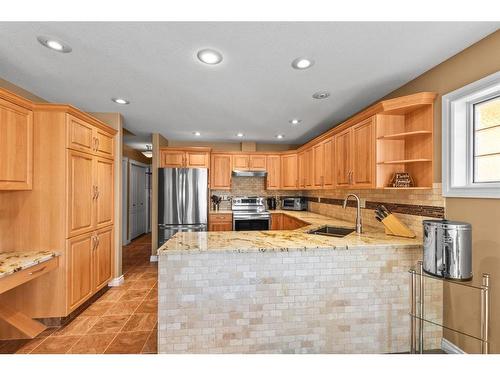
(122, 320)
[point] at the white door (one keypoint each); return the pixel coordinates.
(137, 206)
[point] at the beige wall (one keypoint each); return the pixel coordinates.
(476, 62)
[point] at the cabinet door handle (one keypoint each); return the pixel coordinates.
(37, 271)
(96, 192)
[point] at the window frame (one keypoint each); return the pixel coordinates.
(458, 139)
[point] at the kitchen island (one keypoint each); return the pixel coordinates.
(288, 291)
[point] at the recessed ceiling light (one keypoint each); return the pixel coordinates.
(54, 44)
(321, 95)
(295, 121)
(197, 133)
(302, 63)
(209, 56)
(120, 101)
(239, 135)
(280, 136)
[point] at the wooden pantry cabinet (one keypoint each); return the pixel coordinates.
(192, 157)
(70, 209)
(16, 144)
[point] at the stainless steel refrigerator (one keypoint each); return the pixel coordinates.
(182, 201)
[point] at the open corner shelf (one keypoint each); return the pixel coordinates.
(406, 161)
(399, 136)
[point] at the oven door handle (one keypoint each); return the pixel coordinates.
(251, 217)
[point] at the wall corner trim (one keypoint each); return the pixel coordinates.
(117, 281)
(450, 348)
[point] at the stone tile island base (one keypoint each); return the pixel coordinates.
(295, 301)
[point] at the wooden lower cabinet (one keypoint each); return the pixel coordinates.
(103, 258)
(220, 222)
(89, 264)
(79, 258)
(276, 221)
(291, 223)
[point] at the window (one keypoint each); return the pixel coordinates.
(471, 140)
(487, 141)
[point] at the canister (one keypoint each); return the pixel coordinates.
(447, 249)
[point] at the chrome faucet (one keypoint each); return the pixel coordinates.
(359, 225)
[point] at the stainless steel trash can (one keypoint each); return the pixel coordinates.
(448, 249)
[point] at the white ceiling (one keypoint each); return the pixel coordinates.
(254, 90)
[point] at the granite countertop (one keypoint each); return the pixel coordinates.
(15, 261)
(285, 240)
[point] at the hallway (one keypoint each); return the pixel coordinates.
(122, 320)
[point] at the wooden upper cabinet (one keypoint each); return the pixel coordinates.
(172, 159)
(16, 147)
(81, 193)
(244, 162)
(79, 264)
(308, 169)
(196, 159)
(354, 156)
(85, 137)
(363, 154)
(273, 165)
(257, 162)
(104, 198)
(301, 164)
(184, 158)
(241, 162)
(102, 258)
(328, 161)
(318, 165)
(342, 158)
(105, 145)
(289, 172)
(220, 171)
(80, 135)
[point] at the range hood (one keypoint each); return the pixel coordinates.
(237, 173)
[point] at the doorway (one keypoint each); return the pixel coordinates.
(137, 199)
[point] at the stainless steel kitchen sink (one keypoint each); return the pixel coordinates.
(332, 231)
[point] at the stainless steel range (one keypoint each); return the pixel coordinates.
(250, 213)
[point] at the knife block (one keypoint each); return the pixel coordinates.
(394, 227)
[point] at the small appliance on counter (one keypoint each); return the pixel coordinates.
(448, 249)
(294, 203)
(272, 203)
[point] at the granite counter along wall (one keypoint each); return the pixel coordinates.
(296, 301)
